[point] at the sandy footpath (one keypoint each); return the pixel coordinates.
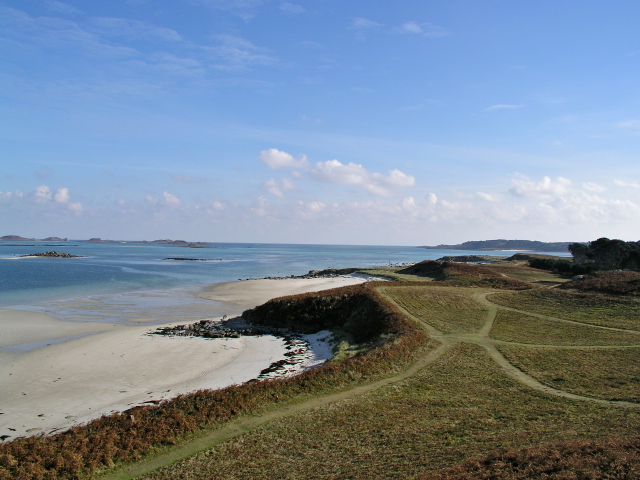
(51, 382)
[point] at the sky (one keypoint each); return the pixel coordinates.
(413, 122)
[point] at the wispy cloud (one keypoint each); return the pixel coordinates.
(503, 106)
(245, 9)
(425, 29)
(291, 8)
(237, 52)
(131, 29)
(277, 188)
(627, 184)
(61, 7)
(363, 23)
(593, 187)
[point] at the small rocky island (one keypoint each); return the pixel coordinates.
(51, 254)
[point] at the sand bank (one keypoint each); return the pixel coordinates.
(249, 293)
(113, 367)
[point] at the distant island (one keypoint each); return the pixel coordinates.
(501, 244)
(18, 238)
(179, 243)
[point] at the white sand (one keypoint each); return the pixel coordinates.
(118, 366)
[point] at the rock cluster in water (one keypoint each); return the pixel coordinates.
(51, 254)
(327, 273)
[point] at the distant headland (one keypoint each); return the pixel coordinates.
(501, 244)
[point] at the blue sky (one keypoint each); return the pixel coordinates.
(320, 121)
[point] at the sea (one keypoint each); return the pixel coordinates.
(115, 282)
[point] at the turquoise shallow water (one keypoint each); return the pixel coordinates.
(122, 280)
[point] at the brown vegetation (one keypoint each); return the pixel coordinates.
(464, 274)
(130, 435)
(608, 459)
(613, 282)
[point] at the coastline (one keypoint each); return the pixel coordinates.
(106, 367)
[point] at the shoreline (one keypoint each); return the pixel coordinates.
(107, 367)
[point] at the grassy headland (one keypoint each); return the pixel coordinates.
(504, 375)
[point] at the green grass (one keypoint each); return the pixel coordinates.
(609, 374)
(461, 406)
(609, 311)
(520, 328)
(449, 309)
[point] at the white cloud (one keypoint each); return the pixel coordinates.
(75, 207)
(593, 187)
(61, 195)
(170, 200)
(218, 205)
(278, 159)
(333, 171)
(503, 106)
(151, 199)
(316, 206)
(627, 184)
(489, 197)
(525, 187)
(273, 188)
(432, 199)
(291, 8)
(42, 194)
(276, 189)
(261, 207)
(409, 203)
(425, 29)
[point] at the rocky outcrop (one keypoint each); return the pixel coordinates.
(51, 254)
(297, 348)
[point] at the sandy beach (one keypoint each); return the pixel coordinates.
(56, 373)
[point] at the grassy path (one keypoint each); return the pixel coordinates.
(485, 301)
(483, 339)
(249, 423)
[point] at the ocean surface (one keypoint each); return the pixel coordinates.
(114, 282)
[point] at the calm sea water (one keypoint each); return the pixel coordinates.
(131, 277)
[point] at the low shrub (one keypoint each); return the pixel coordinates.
(612, 282)
(613, 459)
(562, 267)
(462, 274)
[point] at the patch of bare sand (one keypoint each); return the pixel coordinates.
(117, 366)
